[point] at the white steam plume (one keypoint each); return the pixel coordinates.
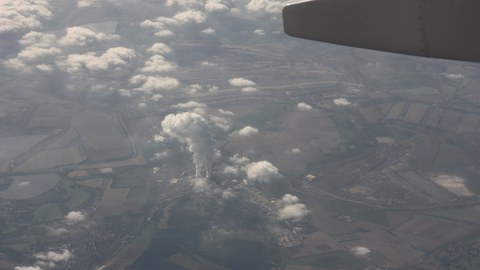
(192, 129)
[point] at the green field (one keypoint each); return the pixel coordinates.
(331, 260)
(79, 197)
(468, 214)
(130, 179)
(265, 115)
(47, 212)
(137, 196)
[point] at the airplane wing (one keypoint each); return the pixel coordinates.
(448, 29)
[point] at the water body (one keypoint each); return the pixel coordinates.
(11, 147)
(29, 186)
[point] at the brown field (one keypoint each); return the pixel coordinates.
(415, 112)
(397, 251)
(396, 110)
(427, 233)
(424, 189)
(450, 121)
(312, 132)
(51, 116)
(53, 158)
(100, 183)
(433, 118)
(371, 114)
(102, 135)
(113, 197)
(185, 261)
(63, 140)
(469, 123)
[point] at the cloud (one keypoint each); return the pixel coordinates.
(87, 3)
(241, 82)
(191, 105)
(80, 36)
(48, 260)
(113, 58)
(74, 217)
(39, 39)
(259, 32)
(193, 130)
(360, 251)
(35, 53)
(341, 102)
(261, 171)
(28, 268)
(289, 207)
(249, 89)
(158, 64)
(159, 48)
(189, 16)
(208, 31)
(455, 76)
(164, 33)
(302, 106)
(181, 2)
(294, 151)
(56, 231)
(245, 132)
(180, 18)
(154, 83)
(53, 256)
(268, 6)
(38, 49)
(215, 6)
(21, 15)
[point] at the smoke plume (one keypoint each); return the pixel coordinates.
(193, 130)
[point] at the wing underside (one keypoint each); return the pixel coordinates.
(447, 29)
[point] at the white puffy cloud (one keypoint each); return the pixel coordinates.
(208, 31)
(193, 130)
(360, 251)
(80, 36)
(158, 64)
(293, 211)
(341, 102)
(268, 6)
(455, 76)
(190, 105)
(164, 33)
(259, 32)
(36, 267)
(154, 83)
(113, 58)
(53, 256)
(181, 2)
(189, 16)
(159, 48)
(241, 82)
(38, 39)
(20, 15)
(215, 6)
(249, 89)
(289, 207)
(302, 106)
(289, 199)
(34, 53)
(74, 217)
(87, 3)
(294, 151)
(38, 49)
(261, 171)
(245, 132)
